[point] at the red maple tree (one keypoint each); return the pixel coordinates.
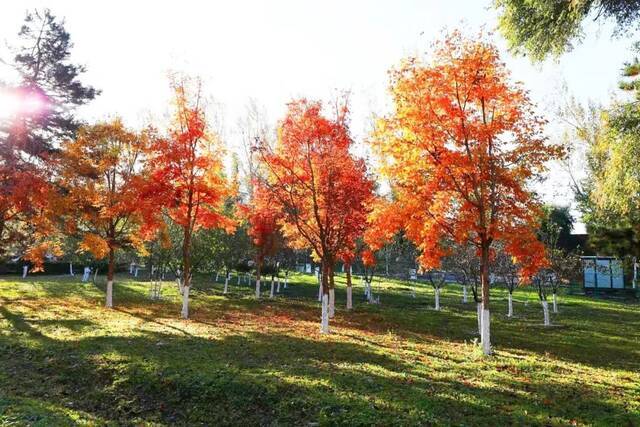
(264, 230)
(459, 150)
(321, 190)
(186, 175)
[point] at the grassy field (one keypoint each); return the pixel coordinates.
(66, 360)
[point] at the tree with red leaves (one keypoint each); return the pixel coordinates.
(459, 150)
(187, 176)
(322, 192)
(263, 228)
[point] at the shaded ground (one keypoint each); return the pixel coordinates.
(64, 359)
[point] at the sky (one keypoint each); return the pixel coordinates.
(274, 51)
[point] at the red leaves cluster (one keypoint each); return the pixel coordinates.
(186, 173)
(263, 219)
(322, 192)
(459, 151)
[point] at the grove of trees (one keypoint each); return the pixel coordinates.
(450, 189)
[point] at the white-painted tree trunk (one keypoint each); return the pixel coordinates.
(70, 269)
(257, 288)
(437, 294)
(332, 303)
(217, 275)
(185, 302)
(464, 294)
(109, 303)
(135, 273)
(555, 303)
(324, 320)
(349, 297)
(545, 312)
(485, 336)
(320, 292)
(479, 310)
(226, 284)
(25, 270)
(130, 269)
(272, 288)
(95, 275)
(277, 285)
(286, 281)
(510, 313)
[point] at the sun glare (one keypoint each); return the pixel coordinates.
(13, 103)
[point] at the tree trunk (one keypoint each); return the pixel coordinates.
(349, 289)
(272, 288)
(510, 313)
(185, 303)
(258, 267)
(226, 283)
(485, 335)
(545, 312)
(110, 274)
(286, 279)
(277, 284)
(332, 303)
(71, 269)
(555, 303)
(437, 295)
(186, 274)
(324, 320)
(320, 275)
(332, 291)
(464, 294)
(25, 270)
(479, 310)
(217, 275)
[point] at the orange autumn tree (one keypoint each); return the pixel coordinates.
(28, 209)
(186, 175)
(264, 230)
(459, 150)
(101, 176)
(317, 185)
(29, 202)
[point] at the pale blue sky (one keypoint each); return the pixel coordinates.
(273, 51)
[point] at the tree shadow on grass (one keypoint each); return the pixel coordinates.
(255, 379)
(592, 333)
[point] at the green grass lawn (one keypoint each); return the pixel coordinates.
(65, 359)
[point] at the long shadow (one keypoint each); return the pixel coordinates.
(585, 333)
(594, 334)
(262, 378)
